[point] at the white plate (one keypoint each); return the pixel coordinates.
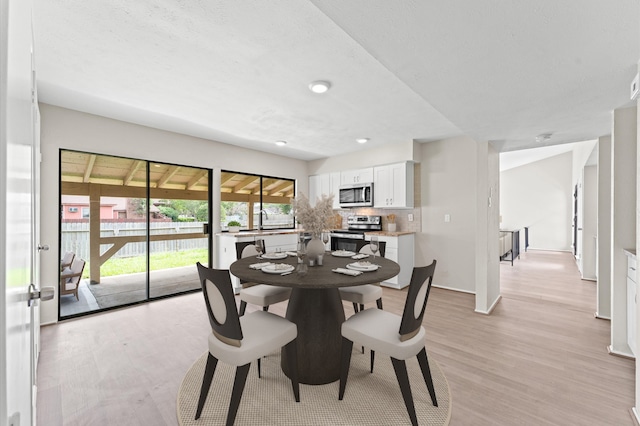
(358, 266)
(273, 256)
(342, 253)
(278, 268)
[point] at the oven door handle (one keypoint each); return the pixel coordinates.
(349, 236)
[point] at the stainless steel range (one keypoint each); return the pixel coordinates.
(352, 238)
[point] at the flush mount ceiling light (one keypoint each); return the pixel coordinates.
(543, 137)
(319, 86)
(281, 143)
(362, 140)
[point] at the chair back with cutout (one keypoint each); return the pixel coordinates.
(366, 249)
(221, 304)
(246, 249)
(416, 304)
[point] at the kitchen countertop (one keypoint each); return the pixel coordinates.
(389, 234)
(242, 234)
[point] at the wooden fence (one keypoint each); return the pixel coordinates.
(75, 237)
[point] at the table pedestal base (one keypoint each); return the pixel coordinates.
(318, 314)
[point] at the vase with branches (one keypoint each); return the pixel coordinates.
(314, 220)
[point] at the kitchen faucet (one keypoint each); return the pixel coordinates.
(266, 216)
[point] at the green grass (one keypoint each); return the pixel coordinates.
(164, 260)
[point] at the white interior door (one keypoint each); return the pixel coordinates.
(16, 212)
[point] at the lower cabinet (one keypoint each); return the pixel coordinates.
(226, 248)
(400, 250)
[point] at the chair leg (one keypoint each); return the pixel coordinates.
(212, 362)
(347, 346)
(236, 394)
(355, 308)
(400, 366)
(292, 356)
(362, 307)
(265, 308)
(259, 371)
(379, 303)
(373, 358)
(426, 373)
(243, 307)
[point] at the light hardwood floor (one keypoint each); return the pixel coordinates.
(539, 359)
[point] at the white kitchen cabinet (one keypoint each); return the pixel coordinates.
(399, 249)
(632, 303)
(226, 247)
(393, 185)
(327, 183)
(356, 176)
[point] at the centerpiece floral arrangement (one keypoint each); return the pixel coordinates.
(314, 219)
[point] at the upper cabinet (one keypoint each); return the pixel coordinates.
(393, 185)
(356, 176)
(328, 183)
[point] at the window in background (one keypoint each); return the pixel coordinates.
(255, 201)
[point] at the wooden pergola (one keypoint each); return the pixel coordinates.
(97, 176)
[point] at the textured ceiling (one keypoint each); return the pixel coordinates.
(237, 71)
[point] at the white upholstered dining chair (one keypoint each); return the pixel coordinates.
(239, 340)
(362, 294)
(399, 337)
(255, 293)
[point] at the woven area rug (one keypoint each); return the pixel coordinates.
(370, 399)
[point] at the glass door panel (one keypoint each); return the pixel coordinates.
(179, 211)
(103, 223)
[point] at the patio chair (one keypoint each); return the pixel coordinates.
(399, 337)
(70, 278)
(67, 260)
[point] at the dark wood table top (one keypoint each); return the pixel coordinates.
(317, 277)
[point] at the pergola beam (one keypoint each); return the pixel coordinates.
(134, 169)
(167, 176)
(89, 168)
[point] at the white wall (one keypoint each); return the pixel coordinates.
(67, 129)
(603, 302)
(448, 186)
(589, 222)
(539, 195)
(623, 215)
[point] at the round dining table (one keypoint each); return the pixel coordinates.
(316, 308)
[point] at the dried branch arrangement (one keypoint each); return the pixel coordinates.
(314, 219)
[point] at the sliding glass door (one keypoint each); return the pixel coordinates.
(176, 238)
(135, 229)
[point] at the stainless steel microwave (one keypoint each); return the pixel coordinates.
(356, 195)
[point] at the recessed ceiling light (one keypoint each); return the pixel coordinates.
(281, 143)
(362, 140)
(319, 86)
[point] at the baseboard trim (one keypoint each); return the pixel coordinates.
(543, 249)
(491, 308)
(598, 316)
(453, 289)
(627, 355)
(634, 416)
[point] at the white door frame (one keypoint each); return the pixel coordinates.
(16, 212)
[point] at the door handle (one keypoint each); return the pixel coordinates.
(45, 293)
(43, 247)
